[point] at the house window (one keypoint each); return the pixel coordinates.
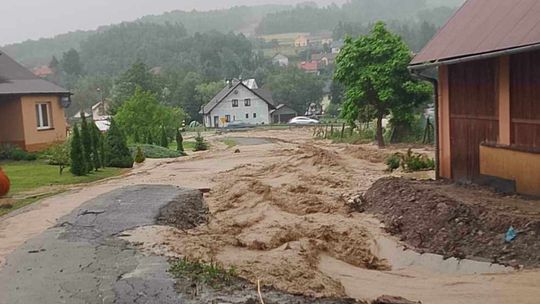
(247, 115)
(43, 116)
(235, 103)
(254, 115)
(227, 118)
(247, 102)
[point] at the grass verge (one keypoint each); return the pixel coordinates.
(211, 274)
(29, 175)
(17, 204)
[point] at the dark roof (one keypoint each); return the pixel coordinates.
(16, 79)
(483, 27)
(265, 95)
(262, 93)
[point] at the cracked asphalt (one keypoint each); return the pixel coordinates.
(83, 260)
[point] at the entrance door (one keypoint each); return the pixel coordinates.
(473, 114)
(216, 121)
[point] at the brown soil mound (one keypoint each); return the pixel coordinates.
(430, 218)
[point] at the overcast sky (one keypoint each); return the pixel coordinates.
(32, 19)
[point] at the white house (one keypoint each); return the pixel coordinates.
(99, 115)
(280, 60)
(239, 101)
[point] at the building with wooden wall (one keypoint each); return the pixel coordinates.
(487, 59)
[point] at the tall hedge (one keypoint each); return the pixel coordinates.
(118, 154)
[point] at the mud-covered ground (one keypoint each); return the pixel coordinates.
(457, 221)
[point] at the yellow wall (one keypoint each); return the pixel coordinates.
(41, 139)
(521, 167)
(11, 124)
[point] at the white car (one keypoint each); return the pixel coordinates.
(302, 120)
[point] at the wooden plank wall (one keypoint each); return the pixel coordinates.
(473, 114)
(525, 99)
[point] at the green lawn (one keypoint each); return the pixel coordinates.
(30, 175)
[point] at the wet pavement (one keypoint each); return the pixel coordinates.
(82, 260)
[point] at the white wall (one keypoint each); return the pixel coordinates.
(258, 106)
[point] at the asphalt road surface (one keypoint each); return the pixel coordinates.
(82, 260)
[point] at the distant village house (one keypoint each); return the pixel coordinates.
(280, 60)
(242, 101)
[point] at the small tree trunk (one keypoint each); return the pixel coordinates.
(380, 135)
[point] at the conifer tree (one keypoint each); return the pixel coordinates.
(86, 141)
(78, 166)
(118, 154)
(164, 141)
(96, 138)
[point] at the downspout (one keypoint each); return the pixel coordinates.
(435, 82)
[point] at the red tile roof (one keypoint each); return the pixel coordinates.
(485, 26)
(310, 66)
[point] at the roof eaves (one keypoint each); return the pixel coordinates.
(473, 57)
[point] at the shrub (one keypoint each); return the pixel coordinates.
(152, 151)
(6, 150)
(410, 162)
(417, 162)
(59, 156)
(118, 153)
(393, 162)
(200, 144)
(13, 152)
(139, 156)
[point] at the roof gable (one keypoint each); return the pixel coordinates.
(225, 92)
(16, 79)
(482, 27)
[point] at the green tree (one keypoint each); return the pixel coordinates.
(295, 88)
(137, 76)
(96, 146)
(118, 154)
(86, 140)
(78, 165)
(373, 69)
(143, 113)
(164, 140)
(71, 63)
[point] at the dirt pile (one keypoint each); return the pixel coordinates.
(429, 218)
(272, 222)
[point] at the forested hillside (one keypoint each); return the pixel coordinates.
(311, 19)
(236, 19)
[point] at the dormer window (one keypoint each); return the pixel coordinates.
(235, 103)
(247, 102)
